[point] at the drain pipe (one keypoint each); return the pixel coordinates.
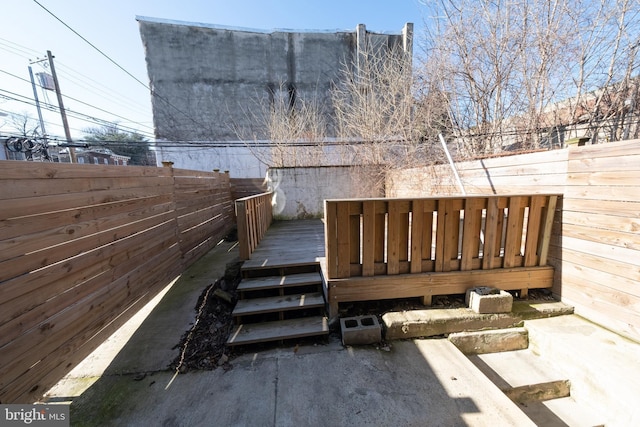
(453, 166)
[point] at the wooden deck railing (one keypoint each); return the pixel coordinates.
(254, 215)
(374, 237)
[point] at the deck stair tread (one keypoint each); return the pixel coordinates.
(516, 368)
(274, 282)
(278, 303)
(278, 330)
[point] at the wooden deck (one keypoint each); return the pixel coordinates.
(282, 279)
(289, 244)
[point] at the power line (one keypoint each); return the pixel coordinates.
(83, 103)
(121, 100)
(118, 65)
(72, 113)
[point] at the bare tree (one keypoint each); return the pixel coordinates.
(25, 125)
(504, 66)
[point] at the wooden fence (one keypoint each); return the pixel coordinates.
(386, 237)
(245, 187)
(254, 215)
(82, 248)
(595, 243)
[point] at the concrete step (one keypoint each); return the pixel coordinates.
(515, 372)
(278, 304)
(562, 413)
(279, 282)
(278, 330)
(603, 367)
(433, 322)
(490, 341)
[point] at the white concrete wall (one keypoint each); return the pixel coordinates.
(300, 192)
(240, 161)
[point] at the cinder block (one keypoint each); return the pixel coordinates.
(360, 330)
(487, 300)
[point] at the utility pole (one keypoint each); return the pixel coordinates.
(35, 97)
(67, 133)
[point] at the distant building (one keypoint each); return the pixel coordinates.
(99, 156)
(207, 83)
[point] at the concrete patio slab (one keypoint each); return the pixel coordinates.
(416, 383)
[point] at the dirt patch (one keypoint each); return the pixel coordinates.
(203, 347)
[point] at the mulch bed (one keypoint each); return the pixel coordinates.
(204, 347)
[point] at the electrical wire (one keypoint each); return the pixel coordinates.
(75, 114)
(157, 95)
(86, 104)
(77, 78)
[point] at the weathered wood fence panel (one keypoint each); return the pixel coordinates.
(82, 248)
(254, 215)
(372, 237)
(595, 244)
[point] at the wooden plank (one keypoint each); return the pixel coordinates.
(549, 215)
(380, 230)
(628, 209)
(534, 228)
(618, 194)
(22, 188)
(491, 233)
(427, 238)
(597, 163)
(621, 293)
(393, 242)
(343, 236)
(354, 239)
(417, 222)
(278, 282)
(514, 232)
(606, 252)
(440, 262)
(602, 221)
(18, 207)
(606, 237)
(369, 237)
(439, 283)
(278, 304)
(60, 288)
(25, 293)
(612, 149)
(403, 236)
(57, 234)
(49, 255)
(452, 233)
(605, 178)
(471, 232)
(273, 331)
(41, 170)
(31, 224)
(86, 318)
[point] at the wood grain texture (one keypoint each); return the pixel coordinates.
(82, 247)
(597, 218)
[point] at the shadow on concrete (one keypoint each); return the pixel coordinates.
(409, 383)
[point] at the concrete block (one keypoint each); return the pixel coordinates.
(360, 330)
(485, 300)
(490, 341)
(427, 323)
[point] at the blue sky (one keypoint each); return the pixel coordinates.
(87, 77)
